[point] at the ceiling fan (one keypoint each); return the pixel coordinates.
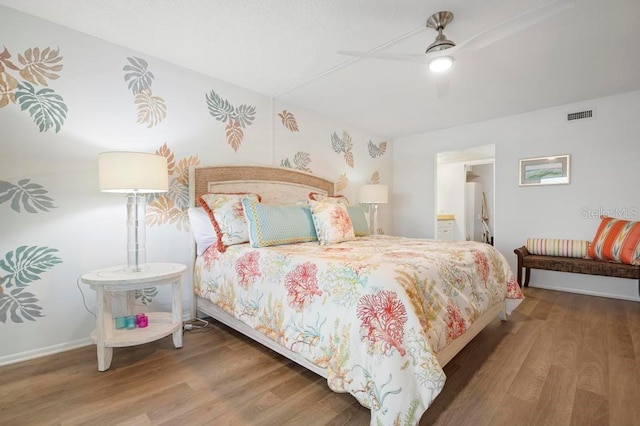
(440, 54)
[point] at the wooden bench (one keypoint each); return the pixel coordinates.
(576, 265)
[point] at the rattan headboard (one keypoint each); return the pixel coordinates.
(274, 184)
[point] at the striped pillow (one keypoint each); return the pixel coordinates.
(557, 247)
(616, 240)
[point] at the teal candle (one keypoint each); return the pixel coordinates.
(131, 322)
(121, 322)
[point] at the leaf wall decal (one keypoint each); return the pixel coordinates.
(47, 108)
(137, 75)
(166, 153)
(342, 182)
(219, 108)
(285, 163)
(377, 150)
(288, 121)
(151, 109)
(26, 264)
(146, 295)
(171, 207)
(178, 193)
(336, 143)
(8, 85)
(375, 178)
(38, 66)
(346, 139)
(234, 134)
(236, 118)
(182, 170)
(18, 305)
(245, 114)
(302, 160)
(5, 62)
(25, 195)
(348, 157)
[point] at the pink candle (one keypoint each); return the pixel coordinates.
(143, 321)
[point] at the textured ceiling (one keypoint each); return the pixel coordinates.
(287, 49)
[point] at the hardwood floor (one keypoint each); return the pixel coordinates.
(561, 359)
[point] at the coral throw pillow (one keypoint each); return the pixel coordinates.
(227, 216)
(332, 222)
(616, 240)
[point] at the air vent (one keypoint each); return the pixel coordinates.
(580, 115)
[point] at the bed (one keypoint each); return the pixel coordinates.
(377, 316)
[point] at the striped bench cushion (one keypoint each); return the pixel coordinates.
(557, 247)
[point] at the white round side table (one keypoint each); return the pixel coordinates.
(115, 279)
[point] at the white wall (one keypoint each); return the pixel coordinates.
(451, 195)
(605, 156)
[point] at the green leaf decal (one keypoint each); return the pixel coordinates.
(26, 195)
(178, 193)
(285, 163)
(336, 143)
(26, 264)
(146, 294)
(344, 145)
(19, 305)
(220, 108)
(45, 106)
(245, 114)
(302, 160)
(377, 150)
(137, 75)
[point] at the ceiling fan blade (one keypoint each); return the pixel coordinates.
(518, 23)
(420, 57)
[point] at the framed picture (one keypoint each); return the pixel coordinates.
(544, 170)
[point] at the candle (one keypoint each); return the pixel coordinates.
(143, 321)
(121, 322)
(131, 322)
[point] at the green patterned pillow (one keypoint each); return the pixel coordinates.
(271, 225)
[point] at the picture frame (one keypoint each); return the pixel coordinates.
(553, 170)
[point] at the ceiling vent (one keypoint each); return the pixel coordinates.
(580, 115)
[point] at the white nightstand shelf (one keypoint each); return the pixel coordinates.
(160, 325)
(116, 279)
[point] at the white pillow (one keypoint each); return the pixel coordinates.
(202, 229)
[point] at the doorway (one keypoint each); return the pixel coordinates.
(465, 194)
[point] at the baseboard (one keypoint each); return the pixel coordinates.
(40, 352)
(585, 292)
(50, 350)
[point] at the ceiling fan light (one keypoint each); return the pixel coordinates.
(440, 64)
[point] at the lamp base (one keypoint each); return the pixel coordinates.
(136, 233)
(373, 218)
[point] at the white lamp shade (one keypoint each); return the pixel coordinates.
(132, 172)
(374, 194)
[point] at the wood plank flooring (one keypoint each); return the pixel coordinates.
(561, 359)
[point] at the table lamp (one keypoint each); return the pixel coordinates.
(135, 174)
(374, 195)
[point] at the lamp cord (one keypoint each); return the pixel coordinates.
(84, 302)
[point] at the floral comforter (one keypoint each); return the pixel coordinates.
(373, 312)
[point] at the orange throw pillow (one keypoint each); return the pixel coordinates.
(616, 240)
